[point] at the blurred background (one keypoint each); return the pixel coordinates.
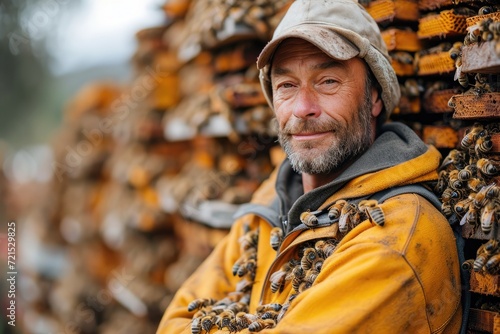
(131, 131)
(50, 49)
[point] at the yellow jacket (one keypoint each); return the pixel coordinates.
(402, 277)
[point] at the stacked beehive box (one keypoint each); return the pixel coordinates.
(223, 114)
(398, 22)
(64, 222)
(456, 72)
(474, 179)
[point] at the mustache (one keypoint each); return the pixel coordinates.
(309, 125)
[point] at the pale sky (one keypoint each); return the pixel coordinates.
(102, 32)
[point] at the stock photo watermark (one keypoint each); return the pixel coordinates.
(11, 274)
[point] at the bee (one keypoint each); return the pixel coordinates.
(463, 206)
(480, 261)
(485, 10)
(207, 322)
(447, 209)
(317, 264)
(486, 34)
(402, 57)
(411, 88)
(484, 252)
(308, 258)
(326, 247)
(450, 194)
(304, 285)
(454, 158)
(494, 27)
(467, 173)
(276, 237)
(475, 184)
(196, 326)
(285, 308)
(453, 181)
(335, 209)
(442, 181)
(492, 192)
(277, 281)
(486, 167)
(199, 303)
(243, 320)
(473, 33)
(260, 324)
(311, 276)
(492, 266)
(247, 268)
(244, 285)
(471, 135)
(269, 307)
(249, 240)
(464, 11)
(349, 217)
(468, 264)
(308, 219)
(374, 212)
(226, 319)
(461, 77)
(298, 275)
(249, 255)
(471, 217)
(269, 311)
(488, 216)
(483, 145)
(456, 53)
(491, 246)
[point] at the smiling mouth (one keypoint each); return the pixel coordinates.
(310, 136)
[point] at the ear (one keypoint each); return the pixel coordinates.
(377, 103)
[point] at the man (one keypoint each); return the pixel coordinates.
(352, 242)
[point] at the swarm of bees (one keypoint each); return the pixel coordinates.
(487, 258)
(216, 21)
(485, 30)
(466, 180)
(300, 271)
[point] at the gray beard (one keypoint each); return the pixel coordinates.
(351, 140)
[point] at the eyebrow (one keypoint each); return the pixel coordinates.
(322, 66)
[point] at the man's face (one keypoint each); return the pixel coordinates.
(322, 106)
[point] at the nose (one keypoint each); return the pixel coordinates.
(305, 104)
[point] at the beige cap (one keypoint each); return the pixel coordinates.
(343, 29)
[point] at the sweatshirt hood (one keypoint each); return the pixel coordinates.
(397, 157)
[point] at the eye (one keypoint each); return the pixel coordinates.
(329, 81)
(285, 85)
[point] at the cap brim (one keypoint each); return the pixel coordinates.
(322, 37)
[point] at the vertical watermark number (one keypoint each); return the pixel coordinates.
(11, 273)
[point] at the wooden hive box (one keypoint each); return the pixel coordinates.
(440, 136)
(481, 58)
(433, 64)
(483, 321)
(473, 106)
(402, 69)
(437, 101)
(384, 11)
(408, 106)
(444, 24)
(470, 21)
(398, 39)
(485, 284)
